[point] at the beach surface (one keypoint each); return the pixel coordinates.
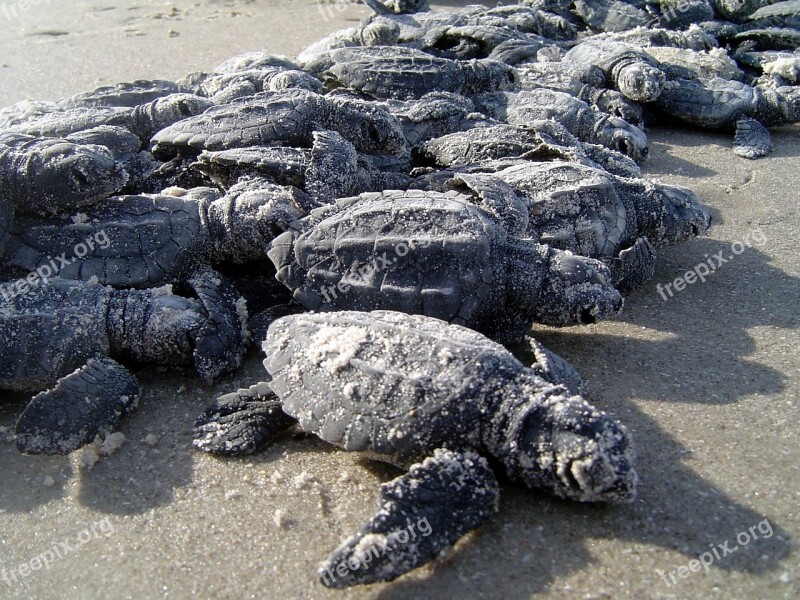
(705, 378)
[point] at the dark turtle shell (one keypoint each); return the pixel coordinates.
(130, 241)
(418, 252)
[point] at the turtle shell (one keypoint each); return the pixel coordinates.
(386, 382)
(127, 241)
(280, 117)
(572, 207)
(49, 330)
(6, 219)
(417, 252)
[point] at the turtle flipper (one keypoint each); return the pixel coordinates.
(220, 344)
(333, 168)
(242, 422)
(634, 266)
(553, 368)
(83, 404)
(422, 512)
(752, 139)
(377, 7)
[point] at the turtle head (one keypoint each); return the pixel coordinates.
(380, 31)
(370, 128)
(293, 78)
(623, 137)
(499, 76)
(566, 446)
(675, 214)
(73, 175)
(250, 216)
(639, 81)
(556, 287)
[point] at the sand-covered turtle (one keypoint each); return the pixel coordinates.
(437, 400)
(62, 333)
(441, 255)
(331, 169)
(591, 212)
(539, 140)
(729, 104)
(50, 175)
(143, 120)
(287, 117)
(628, 68)
(152, 239)
(581, 120)
(584, 82)
(406, 73)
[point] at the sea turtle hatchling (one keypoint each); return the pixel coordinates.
(581, 120)
(155, 239)
(50, 330)
(441, 255)
(406, 73)
(407, 388)
(288, 117)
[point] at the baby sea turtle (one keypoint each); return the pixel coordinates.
(405, 73)
(727, 104)
(590, 212)
(50, 175)
(331, 169)
(539, 140)
(51, 329)
(434, 399)
(584, 82)
(441, 255)
(288, 117)
(580, 119)
(154, 239)
(628, 68)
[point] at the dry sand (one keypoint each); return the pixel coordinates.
(706, 380)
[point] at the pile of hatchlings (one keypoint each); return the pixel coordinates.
(380, 214)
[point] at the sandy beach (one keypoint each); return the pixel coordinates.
(706, 379)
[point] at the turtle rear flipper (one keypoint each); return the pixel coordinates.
(220, 344)
(422, 513)
(243, 422)
(634, 266)
(752, 140)
(83, 404)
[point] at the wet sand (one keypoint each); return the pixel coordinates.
(707, 381)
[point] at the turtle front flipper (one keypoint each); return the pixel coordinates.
(422, 513)
(220, 344)
(82, 405)
(752, 140)
(243, 422)
(553, 368)
(634, 266)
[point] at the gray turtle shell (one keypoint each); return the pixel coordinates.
(148, 239)
(456, 271)
(574, 207)
(50, 331)
(395, 384)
